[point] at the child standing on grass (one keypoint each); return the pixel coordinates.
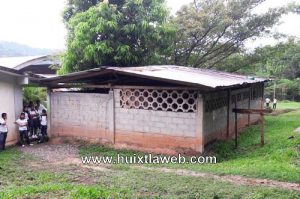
(274, 103)
(22, 123)
(3, 131)
(43, 126)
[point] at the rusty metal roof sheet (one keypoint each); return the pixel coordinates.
(169, 73)
(204, 77)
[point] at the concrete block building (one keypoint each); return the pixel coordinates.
(163, 109)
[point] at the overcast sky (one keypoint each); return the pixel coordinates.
(38, 23)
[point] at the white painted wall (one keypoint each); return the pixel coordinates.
(10, 103)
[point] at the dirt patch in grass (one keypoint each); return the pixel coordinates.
(280, 111)
(229, 178)
(62, 158)
(63, 153)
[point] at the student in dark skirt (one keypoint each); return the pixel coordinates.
(3, 130)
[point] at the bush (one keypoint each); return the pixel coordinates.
(35, 93)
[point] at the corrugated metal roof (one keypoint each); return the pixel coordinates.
(19, 63)
(10, 71)
(204, 77)
(169, 73)
(11, 62)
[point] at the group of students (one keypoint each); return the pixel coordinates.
(32, 124)
(274, 103)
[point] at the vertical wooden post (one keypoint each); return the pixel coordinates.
(114, 115)
(249, 105)
(262, 96)
(228, 112)
(262, 132)
(235, 126)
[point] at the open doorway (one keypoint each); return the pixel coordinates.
(34, 115)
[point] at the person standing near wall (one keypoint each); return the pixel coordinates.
(34, 122)
(40, 107)
(274, 103)
(268, 102)
(3, 131)
(43, 127)
(23, 123)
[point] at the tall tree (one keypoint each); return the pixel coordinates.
(208, 31)
(129, 34)
(280, 62)
(76, 6)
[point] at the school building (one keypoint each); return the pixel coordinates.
(11, 82)
(163, 109)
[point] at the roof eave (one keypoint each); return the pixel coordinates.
(11, 72)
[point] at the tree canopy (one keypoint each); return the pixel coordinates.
(141, 32)
(75, 6)
(131, 34)
(210, 31)
(280, 62)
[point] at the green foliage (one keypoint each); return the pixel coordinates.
(133, 34)
(281, 62)
(35, 93)
(139, 32)
(210, 31)
(76, 6)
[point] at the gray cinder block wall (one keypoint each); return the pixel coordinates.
(215, 121)
(101, 118)
(83, 115)
(92, 116)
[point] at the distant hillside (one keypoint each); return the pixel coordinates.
(11, 49)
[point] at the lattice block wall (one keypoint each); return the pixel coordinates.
(215, 104)
(159, 100)
(257, 92)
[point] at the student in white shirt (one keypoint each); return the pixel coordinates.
(43, 126)
(22, 123)
(26, 112)
(268, 102)
(274, 103)
(40, 107)
(3, 130)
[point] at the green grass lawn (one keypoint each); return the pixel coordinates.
(22, 181)
(288, 105)
(23, 176)
(279, 159)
